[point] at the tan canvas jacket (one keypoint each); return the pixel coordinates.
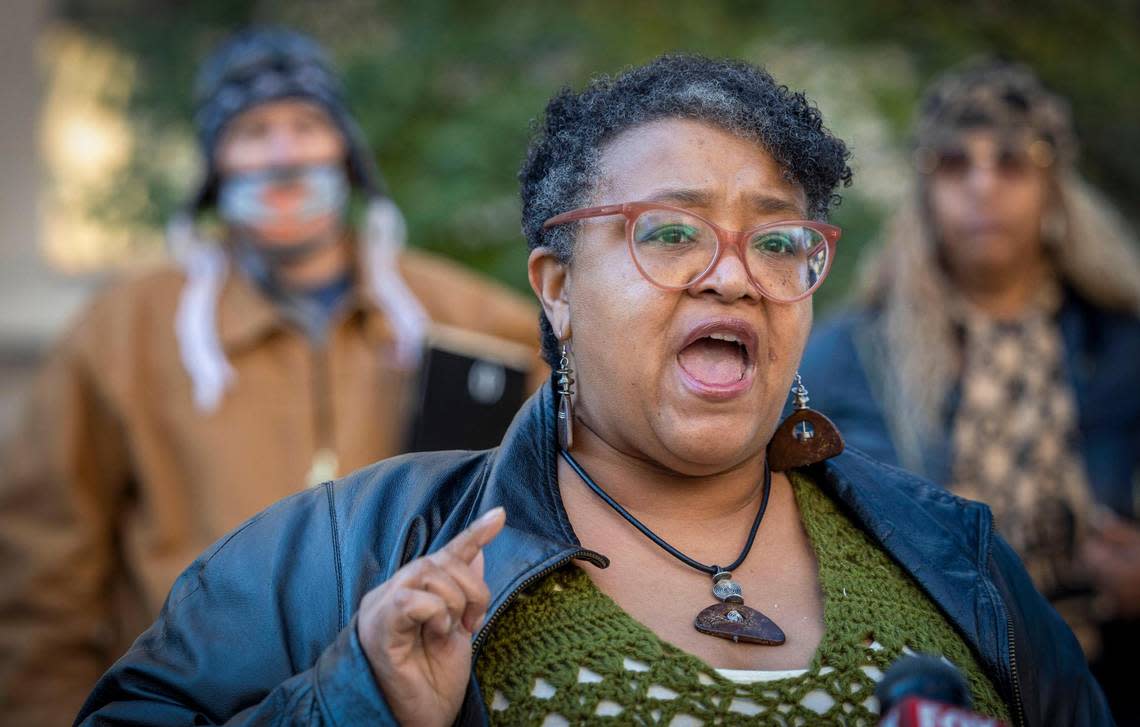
(116, 482)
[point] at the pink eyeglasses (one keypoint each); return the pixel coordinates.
(675, 249)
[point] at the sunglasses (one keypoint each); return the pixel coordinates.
(1008, 160)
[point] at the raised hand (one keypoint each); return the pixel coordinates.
(416, 628)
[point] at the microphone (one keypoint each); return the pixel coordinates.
(925, 691)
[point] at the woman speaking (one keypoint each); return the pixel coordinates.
(649, 543)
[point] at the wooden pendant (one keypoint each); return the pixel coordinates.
(806, 437)
(737, 622)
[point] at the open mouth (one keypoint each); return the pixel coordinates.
(718, 355)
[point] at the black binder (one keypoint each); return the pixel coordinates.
(470, 385)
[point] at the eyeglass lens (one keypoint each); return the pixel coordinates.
(674, 249)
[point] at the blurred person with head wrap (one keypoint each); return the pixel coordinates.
(996, 346)
(187, 399)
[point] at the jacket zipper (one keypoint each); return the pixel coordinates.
(1014, 679)
(1019, 714)
(588, 555)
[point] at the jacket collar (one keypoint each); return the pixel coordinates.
(246, 315)
(523, 478)
(941, 540)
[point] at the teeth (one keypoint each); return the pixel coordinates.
(731, 338)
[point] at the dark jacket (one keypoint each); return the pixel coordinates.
(260, 630)
(844, 369)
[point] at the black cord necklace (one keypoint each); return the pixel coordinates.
(729, 619)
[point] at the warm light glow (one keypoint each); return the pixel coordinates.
(86, 144)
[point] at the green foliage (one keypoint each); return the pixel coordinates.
(445, 89)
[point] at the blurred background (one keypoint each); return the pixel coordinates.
(97, 146)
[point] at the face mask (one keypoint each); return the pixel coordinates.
(284, 204)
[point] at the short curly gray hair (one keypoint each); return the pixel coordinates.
(562, 161)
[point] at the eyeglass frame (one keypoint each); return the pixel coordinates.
(724, 239)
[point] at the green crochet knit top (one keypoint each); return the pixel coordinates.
(564, 653)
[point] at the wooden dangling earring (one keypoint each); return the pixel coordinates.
(564, 375)
(806, 437)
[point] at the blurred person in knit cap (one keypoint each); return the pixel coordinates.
(994, 349)
(283, 353)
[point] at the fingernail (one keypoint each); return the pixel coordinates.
(490, 514)
(472, 623)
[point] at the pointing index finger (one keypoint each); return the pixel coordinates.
(468, 543)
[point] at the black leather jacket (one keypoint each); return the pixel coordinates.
(261, 628)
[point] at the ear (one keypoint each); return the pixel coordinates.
(550, 281)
